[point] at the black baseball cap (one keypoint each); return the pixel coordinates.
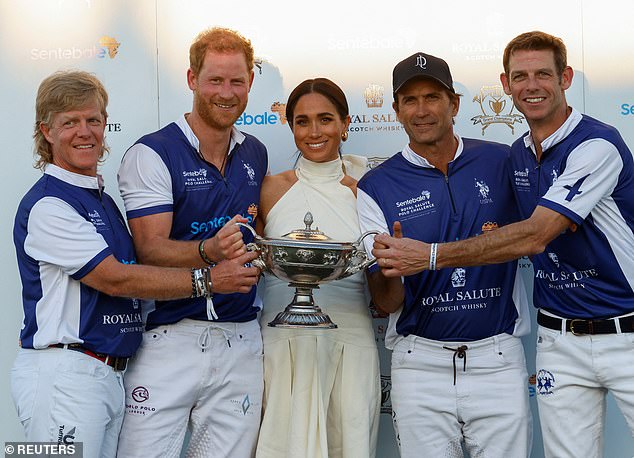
(421, 65)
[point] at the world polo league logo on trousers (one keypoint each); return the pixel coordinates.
(140, 394)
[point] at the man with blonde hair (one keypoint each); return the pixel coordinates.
(78, 271)
(184, 187)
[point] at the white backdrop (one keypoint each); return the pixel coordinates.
(139, 49)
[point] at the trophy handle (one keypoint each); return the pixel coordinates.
(364, 235)
(361, 257)
(257, 262)
(249, 228)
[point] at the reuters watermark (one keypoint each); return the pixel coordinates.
(42, 449)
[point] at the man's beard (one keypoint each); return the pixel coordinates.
(215, 118)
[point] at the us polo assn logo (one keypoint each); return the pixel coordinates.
(250, 173)
(545, 382)
(483, 191)
(493, 102)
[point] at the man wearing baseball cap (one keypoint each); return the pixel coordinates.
(573, 176)
(458, 366)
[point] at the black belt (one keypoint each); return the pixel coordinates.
(117, 363)
(579, 327)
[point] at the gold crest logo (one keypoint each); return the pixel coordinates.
(493, 103)
(489, 226)
(373, 96)
(110, 44)
(253, 211)
(280, 109)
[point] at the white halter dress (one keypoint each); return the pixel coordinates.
(322, 386)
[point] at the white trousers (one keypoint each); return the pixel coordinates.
(66, 397)
(487, 408)
(574, 374)
(204, 375)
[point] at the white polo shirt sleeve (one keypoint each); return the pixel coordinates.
(591, 173)
(58, 235)
(371, 218)
(145, 182)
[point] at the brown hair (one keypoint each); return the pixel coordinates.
(537, 41)
(219, 39)
(321, 86)
(64, 91)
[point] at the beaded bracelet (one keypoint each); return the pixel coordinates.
(194, 289)
(203, 255)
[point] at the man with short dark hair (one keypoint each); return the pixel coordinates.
(458, 367)
(574, 179)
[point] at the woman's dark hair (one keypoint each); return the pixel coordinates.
(321, 86)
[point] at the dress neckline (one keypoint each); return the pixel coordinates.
(319, 172)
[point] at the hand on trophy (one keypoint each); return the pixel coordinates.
(307, 258)
(227, 243)
(232, 276)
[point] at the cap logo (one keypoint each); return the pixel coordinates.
(421, 62)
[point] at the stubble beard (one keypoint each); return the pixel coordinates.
(215, 120)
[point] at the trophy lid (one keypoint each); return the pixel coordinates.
(307, 233)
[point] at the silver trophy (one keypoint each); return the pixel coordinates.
(306, 258)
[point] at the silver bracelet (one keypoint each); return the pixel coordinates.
(432, 256)
(201, 282)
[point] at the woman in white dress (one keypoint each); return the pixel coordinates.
(322, 386)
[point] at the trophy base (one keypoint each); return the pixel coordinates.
(314, 318)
